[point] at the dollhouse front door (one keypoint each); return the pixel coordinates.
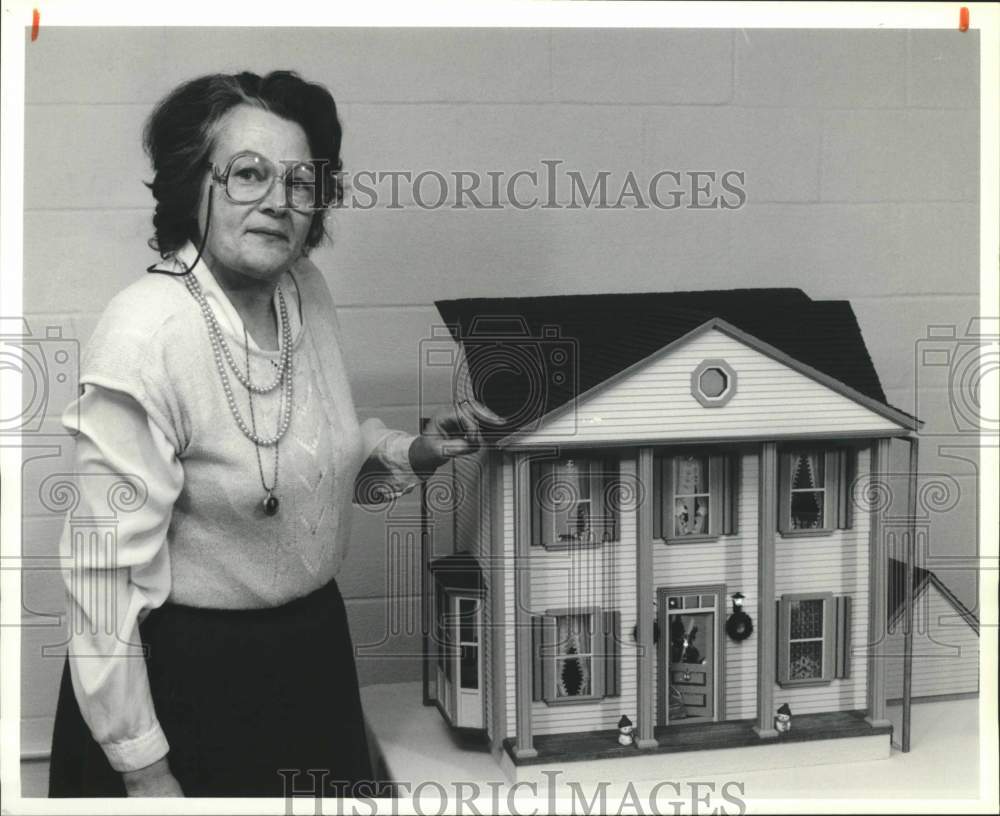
(692, 664)
(690, 655)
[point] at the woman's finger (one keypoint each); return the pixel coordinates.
(453, 423)
(481, 413)
(450, 448)
(467, 420)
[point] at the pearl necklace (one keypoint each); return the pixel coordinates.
(220, 351)
(215, 330)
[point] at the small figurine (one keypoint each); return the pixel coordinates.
(625, 731)
(783, 719)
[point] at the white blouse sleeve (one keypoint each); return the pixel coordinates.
(386, 472)
(113, 584)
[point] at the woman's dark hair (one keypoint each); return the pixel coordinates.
(178, 139)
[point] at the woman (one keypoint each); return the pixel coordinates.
(214, 390)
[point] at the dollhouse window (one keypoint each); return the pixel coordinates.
(691, 496)
(713, 383)
(814, 490)
(814, 637)
(468, 643)
(576, 655)
(695, 497)
(574, 660)
(573, 502)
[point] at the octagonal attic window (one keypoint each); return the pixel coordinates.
(713, 383)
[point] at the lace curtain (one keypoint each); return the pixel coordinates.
(807, 490)
(573, 668)
(691, 492)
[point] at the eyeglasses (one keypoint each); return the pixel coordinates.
(249, 177)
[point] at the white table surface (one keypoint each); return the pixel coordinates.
(943, 762)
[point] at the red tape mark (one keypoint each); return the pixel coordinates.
(963, 18)
(35, 18)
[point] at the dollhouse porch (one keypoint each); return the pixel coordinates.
(688, 752)
(830, 725)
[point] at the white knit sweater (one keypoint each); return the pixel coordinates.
(154, 417)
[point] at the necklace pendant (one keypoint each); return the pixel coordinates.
(270, 504)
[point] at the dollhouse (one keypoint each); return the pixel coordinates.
(675, 529)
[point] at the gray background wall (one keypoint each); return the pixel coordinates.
(860, 150)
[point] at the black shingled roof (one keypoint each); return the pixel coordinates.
(897, 585)
(611, 332)
(458, 570)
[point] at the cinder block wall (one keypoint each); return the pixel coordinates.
(860, 150)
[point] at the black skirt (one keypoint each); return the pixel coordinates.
(253, 703)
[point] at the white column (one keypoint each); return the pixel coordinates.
(878, 584)
(524, 742)
(767, 617)
(644, 601)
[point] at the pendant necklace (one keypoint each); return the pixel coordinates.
(283, 379)
(270, 502)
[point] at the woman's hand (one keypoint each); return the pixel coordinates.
(153, 780)
(450, 432)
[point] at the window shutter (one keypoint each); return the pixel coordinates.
(716, 494)
(781, 653)
(723, 512)
(842, 657)
(547, 639)
(829, 637)
(732, 493)
(784, 492)
(538, 530)
(659, 497)
(667, 504)
(537, 690)
(612, 653)
(831, 502)
(845, 476)
(609, 497)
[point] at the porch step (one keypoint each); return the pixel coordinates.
(685, 750)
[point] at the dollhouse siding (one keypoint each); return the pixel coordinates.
(945, 650)
(471, 498)
(732, 560)
(655, 402)
(836, 563)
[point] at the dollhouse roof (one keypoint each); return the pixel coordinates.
(922, 578)
(612, 332)
(458, 571)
